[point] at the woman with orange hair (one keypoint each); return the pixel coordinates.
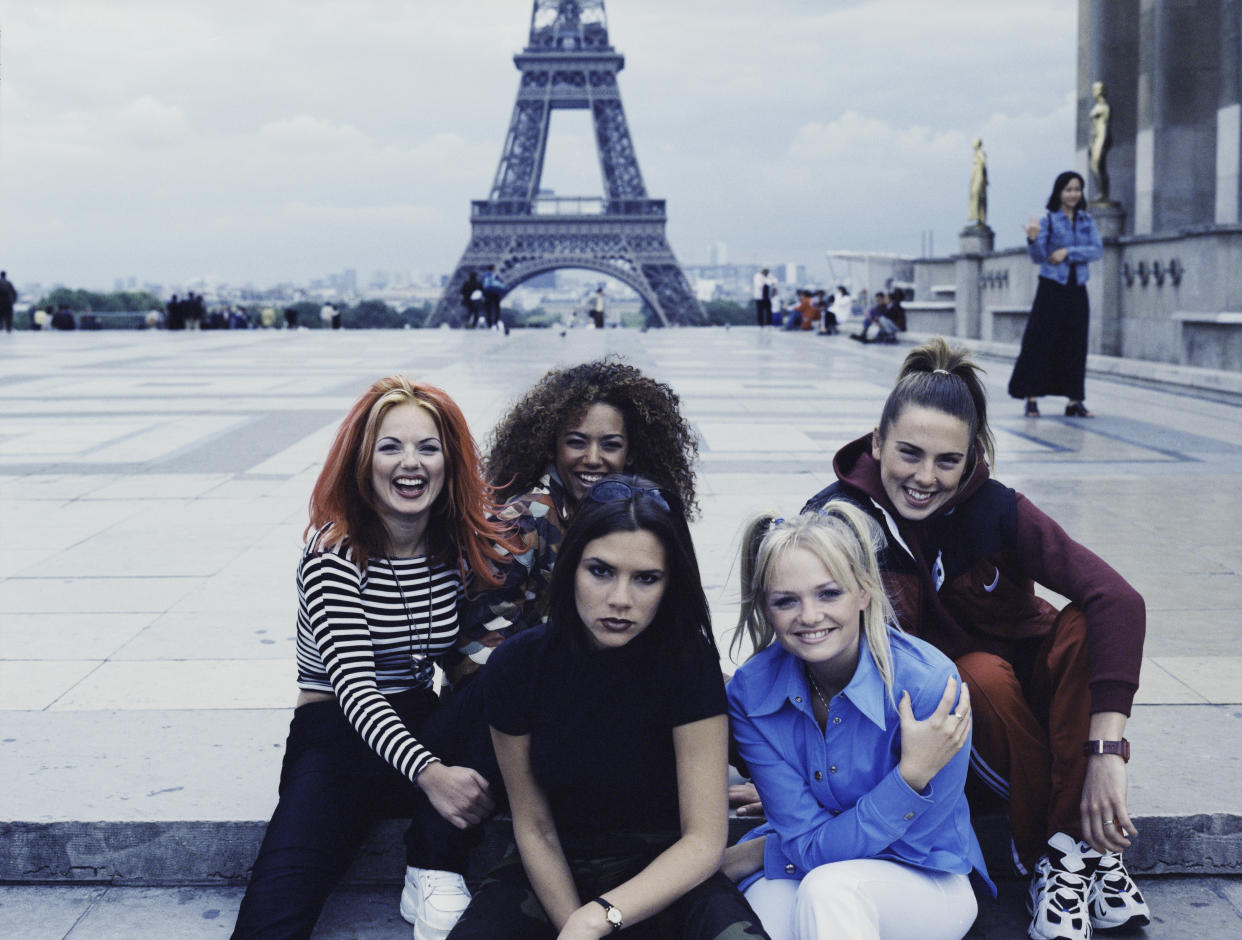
(399, 525)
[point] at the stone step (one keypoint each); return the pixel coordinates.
(193, 810)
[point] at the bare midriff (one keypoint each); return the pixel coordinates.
(305, 697)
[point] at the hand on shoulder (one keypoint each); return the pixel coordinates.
(927, 745)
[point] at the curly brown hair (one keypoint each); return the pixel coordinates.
(662, 445)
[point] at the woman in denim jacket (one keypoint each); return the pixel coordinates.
(1053, 359)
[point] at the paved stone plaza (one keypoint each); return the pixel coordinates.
(152, 496)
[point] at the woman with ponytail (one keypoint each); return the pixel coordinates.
(1052, 689)
(857, 737)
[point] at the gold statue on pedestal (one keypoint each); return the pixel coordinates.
(977, 204)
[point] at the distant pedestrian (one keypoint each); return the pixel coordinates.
(873, 318)
(597, 308)
(327, 316)
(841, 310)
(472, 299)
(291, 318)
(194, 311)
(1053, 358)
(493, 291)
(764, 292)
(8, 297)
(896, 312)
(176, 314)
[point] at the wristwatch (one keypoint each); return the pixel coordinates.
(1120, 748)
(611, 914)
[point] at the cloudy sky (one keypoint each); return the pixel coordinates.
(269, 140)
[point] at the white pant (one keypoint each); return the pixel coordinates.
(866, 899)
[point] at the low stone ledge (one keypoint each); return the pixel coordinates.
(221, 853)
(1210, 340)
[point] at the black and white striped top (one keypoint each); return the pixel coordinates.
(356, 639)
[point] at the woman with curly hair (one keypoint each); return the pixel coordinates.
(573, 427)
(400, 522)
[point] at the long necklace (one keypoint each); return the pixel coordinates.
(423, 668)
(818, 692)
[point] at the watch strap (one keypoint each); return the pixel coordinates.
(612, 914)
(1120, 748)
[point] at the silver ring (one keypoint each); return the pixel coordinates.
(1110, 822)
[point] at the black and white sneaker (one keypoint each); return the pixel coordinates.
(1059, 890)
(1114, 900)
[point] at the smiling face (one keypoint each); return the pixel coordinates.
(407, 468)
(618, 586)
(814, 616)
(922, 460)
(590, 449)
(1071, 194)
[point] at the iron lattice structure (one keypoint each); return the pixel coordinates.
(569, 63)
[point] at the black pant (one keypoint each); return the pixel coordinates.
(472, 314)
(763, 312)
(504, 905)
(491, 308)
(333, 788)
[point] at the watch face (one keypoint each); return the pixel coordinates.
(614, 916)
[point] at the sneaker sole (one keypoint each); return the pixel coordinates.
(1138, 920)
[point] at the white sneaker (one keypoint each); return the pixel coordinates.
(1114, 899)
(1059, 889)
(433, 901)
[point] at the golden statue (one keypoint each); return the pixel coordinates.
(977, 204)
(1097, 148)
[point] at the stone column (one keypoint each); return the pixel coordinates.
(1179, 59)
(1229, 118)
(974, 241)
(1108, 36)
(1104, 287)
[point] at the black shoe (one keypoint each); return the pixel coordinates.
(1077, 409)
(859, 337)
(1032, 409)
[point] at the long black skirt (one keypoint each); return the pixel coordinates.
(1053, 360)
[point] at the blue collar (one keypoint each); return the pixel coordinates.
(786, 682)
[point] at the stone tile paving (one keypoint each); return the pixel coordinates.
(1204, 908)
(153, 490)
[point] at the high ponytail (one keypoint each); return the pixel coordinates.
(945, 379)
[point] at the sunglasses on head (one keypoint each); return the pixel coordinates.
(611, 491)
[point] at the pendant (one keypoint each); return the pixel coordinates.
(424, 671)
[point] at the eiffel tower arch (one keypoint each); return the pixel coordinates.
(569, 63)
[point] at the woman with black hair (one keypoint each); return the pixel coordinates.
(1053, 358)
(609, 723)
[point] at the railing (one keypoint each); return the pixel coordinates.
(565, 206)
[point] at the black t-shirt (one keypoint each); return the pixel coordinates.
(601, 723)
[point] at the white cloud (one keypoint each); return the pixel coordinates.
(236, 135)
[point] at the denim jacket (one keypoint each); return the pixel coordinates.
(1080, 237)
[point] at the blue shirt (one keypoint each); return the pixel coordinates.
(837, 795)
(1080, 238)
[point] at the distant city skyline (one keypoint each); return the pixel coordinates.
(270, 141)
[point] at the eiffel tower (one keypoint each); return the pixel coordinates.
(569, 63)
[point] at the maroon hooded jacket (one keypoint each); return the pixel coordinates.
(964, 578)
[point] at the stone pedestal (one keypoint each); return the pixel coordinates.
(974, 241)
(1105, 286)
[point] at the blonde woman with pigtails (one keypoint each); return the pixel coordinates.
(858, 739)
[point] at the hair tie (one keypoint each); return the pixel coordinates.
(776, 521)
(941, 372)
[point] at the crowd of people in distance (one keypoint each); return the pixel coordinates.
(570, 776)
(815, 311)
